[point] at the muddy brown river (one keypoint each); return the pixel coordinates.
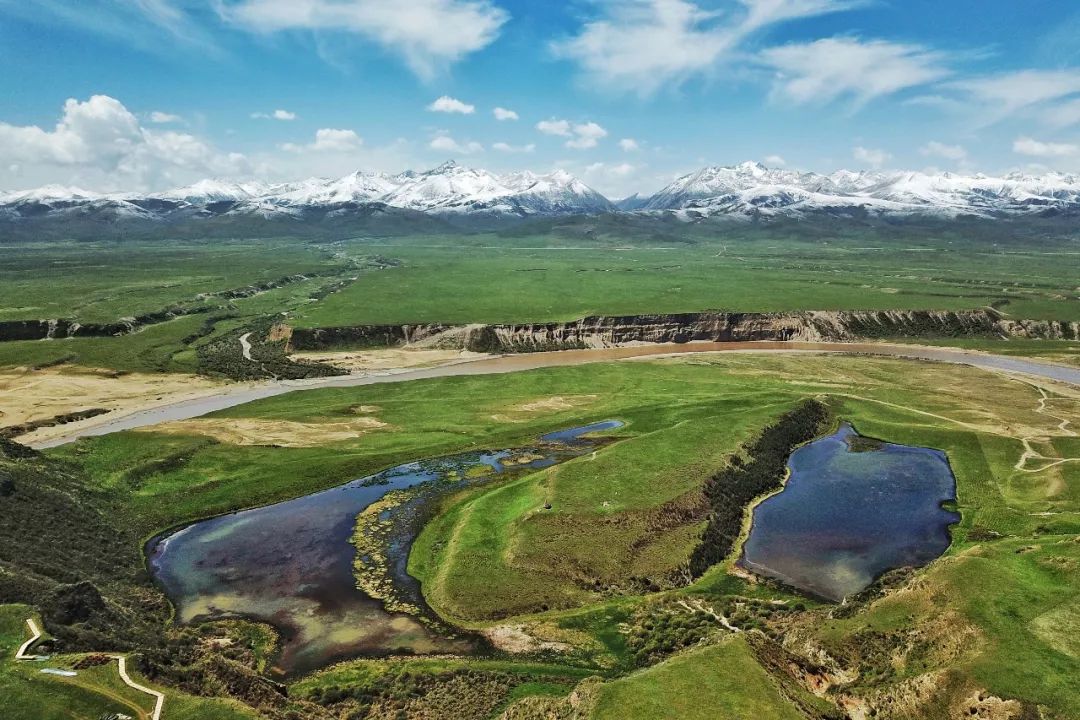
(240, 395)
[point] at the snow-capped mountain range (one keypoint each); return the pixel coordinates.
(447, 189)
(751, 189)
(748, 190)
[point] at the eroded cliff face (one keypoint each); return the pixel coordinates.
(57, 328)
(614, 331)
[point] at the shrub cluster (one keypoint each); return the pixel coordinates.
(404, 693)
(731, 490)
(269, 359)
(659, 632)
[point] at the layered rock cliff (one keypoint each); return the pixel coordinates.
(613, 331)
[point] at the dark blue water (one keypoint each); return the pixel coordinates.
(845, 516)
(291, 564)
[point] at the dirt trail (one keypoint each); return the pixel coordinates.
(20, 654)
(245, 346)
(159, 698)
(1030, 453)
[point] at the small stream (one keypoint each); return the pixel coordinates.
(291, 564)
(852, 509)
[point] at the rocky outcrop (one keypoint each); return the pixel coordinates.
(13, 431)
(363, 336)
(59, 328)
(613, 331)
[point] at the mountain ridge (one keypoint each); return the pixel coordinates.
(746, 191)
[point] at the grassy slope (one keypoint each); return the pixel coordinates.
(718, 682)
(30, 695)
(495, 553)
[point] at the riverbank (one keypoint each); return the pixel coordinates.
(198, 403)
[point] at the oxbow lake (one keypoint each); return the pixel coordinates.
(852, 509)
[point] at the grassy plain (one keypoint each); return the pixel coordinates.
(559, 274)
(101, 282)
(548, 278)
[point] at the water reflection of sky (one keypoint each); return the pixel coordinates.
(291, 564)
(845, 517)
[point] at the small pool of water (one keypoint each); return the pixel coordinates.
(851, 510)
(291, 564)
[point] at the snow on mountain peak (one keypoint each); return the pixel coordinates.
(748, 189)
(754, 190)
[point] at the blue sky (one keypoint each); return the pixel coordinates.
(626, 94)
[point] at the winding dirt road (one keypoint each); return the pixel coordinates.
(241, 394)
(159, 698)
(35, 634)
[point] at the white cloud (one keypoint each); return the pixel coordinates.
(507, 148)
(940, 102)
(445, 143)
(644, 45)
(159, 27)
(504, 114)
(775, 161)
(582, 135)
(554, 127)
(1035, 148)
(827, 69)
(956, 153)
(1004, 94)
(872, 157)
(447, 104)
(428, 34)
(329, 140)
(613, 179)
(629, 145)
(99, 141)
(586, 135)
(275, 115)
(619, 170)
(163, 117)
(767, 12)
(1064, 115)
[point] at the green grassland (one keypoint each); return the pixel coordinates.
(608, 557)
(551, 275)
(549, 278)
(101, 282)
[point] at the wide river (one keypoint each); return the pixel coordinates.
(240, 394)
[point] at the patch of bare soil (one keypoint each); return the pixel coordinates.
(283, 433)
(556, 403)
(984, 706)
(515, 639)
(28, 396)
(383, 359)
